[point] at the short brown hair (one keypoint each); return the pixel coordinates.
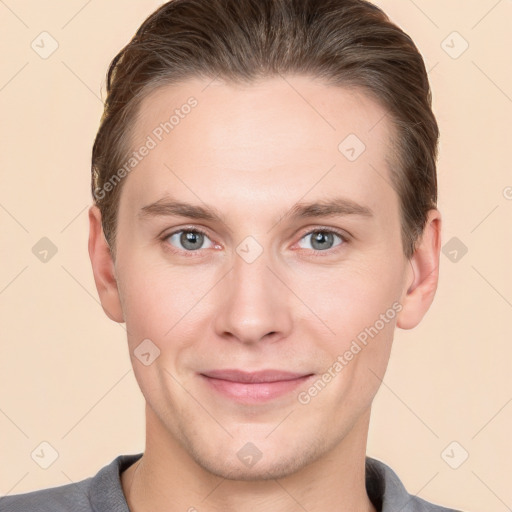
(343, 42)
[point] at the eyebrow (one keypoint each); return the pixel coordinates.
(338, 206)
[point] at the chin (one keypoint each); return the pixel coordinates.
(262, 470)
(272, 462)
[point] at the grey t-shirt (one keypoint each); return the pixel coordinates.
(104, 493)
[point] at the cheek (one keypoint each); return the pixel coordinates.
(159, 309)
(349, 299)
(155, 297)
(355, 361)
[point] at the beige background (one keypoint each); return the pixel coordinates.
(66, 376)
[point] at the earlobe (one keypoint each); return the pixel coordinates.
(424, 263)
(103, 268)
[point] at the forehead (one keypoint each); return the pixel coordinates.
(280, 137)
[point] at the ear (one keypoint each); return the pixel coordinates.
(103, 268)
(424, 263)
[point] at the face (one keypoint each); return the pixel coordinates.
(259, 252)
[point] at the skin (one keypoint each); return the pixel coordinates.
(253, 152)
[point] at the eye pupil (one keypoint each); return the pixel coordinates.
(322, 238)
(191, 239)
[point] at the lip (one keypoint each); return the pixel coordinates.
(253, 387)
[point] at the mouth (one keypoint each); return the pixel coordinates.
(253, 387)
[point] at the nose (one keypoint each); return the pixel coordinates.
(253, 303)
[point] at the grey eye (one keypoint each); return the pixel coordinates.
(321, 240)
(190, 240)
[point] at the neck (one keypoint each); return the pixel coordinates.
(166, 478)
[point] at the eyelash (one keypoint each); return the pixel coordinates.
(316, 253)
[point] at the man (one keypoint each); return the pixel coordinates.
(264, 180)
